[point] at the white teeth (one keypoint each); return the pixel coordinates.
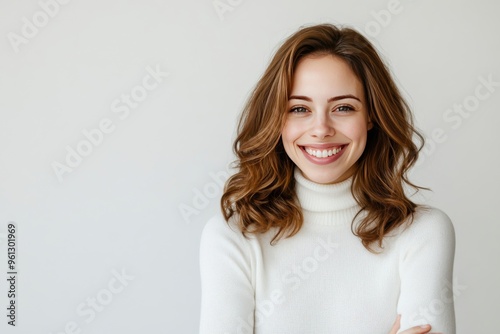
(322, 154)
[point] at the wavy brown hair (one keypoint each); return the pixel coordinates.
(261, 194)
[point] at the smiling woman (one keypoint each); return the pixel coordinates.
(316, 118)
(317, 233)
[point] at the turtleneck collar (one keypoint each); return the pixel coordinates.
(326, 204)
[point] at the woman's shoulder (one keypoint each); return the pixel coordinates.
(431, 220)
(225, 252)
(217, 229)
(429, 225)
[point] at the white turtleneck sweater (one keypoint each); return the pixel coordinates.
(322, 280)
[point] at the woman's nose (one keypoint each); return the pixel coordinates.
(322, 127)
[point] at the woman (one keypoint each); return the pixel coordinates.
(317, 233)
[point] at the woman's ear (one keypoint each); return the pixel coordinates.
(369, 125)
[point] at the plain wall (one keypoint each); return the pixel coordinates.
(136, 203)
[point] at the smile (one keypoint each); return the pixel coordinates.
(323, 153)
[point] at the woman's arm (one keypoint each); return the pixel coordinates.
(426, 271)
(227, 293)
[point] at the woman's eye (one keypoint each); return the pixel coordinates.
(298, 110)
(344, 109)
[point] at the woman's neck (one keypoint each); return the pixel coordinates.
(327, 204)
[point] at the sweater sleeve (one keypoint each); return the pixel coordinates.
(227, 293)
(426, 272)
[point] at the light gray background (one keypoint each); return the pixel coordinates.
(120, 209)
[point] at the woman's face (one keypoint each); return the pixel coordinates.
(327, 123)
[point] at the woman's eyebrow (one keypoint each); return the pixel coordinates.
(332, 99)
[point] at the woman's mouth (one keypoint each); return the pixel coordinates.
(323, 153)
